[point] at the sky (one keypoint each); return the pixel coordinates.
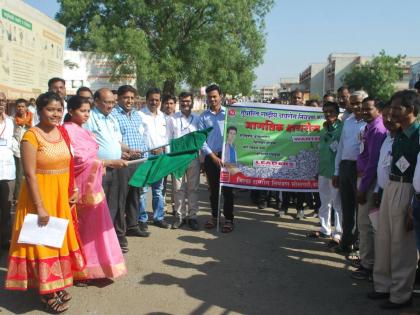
(307, 31)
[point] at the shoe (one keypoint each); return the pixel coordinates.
(300, 215)
(280, 213)
(178, 223)
(162, 224)
(143, 226)
(262, 204)
(378, 295)
(124, 249)
(193, 224)
(137, 232)
(388, 305)
(362, 273)
(341, 250)
(313, 215)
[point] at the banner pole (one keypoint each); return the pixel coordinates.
(220, 172)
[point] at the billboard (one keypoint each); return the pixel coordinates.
(31, 49)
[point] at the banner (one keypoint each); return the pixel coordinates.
(271, 147)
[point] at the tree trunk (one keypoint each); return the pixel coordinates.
(169, 87)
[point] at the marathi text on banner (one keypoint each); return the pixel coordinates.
(271, 146)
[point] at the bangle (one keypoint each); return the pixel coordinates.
(76, 189)
(37, 202)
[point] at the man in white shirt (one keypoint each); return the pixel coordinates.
(7, 173)
(345, 175)
(168, 108)
(154, 129)
(180, 124)
(343, 96)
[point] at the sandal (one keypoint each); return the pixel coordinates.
(211, 224)
(64, 296)
(53, 304)
(227, 227)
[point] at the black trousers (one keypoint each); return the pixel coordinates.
(213, 178)
(132, 197)
(6, 195)
(348, 193)
(286, 196)
(115, 196)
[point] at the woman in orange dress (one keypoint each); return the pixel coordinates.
(46, 160)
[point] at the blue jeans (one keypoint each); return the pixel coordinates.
(157, 202)
(416, 221)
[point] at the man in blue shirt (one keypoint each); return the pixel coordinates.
(129, 121)
(108, 137)
(212, 149)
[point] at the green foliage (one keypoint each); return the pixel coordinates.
(167, 43)
(376, 77)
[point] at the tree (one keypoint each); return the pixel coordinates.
(169, 43)
(377, 77)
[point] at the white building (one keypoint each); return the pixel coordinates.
(91, 70)
(312, 79)
(269, 92)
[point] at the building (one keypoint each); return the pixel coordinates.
(312, 79)
(415, 74)
(31, 49)
(92, 70)
(338, 65)
(267, 93)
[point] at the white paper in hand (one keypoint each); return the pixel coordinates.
(51, 234)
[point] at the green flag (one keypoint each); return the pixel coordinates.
(183, 151)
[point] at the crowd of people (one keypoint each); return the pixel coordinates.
(72, 158)
(369, 188)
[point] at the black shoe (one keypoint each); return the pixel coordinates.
(193, 224)
(262, 204)
(162, 224)
(143, 226)
(178, 223)
(362, 273)
(378, 295)
(137, 232)
(341, 250)
(388, 305)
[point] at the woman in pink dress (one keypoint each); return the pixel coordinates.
(104, 258)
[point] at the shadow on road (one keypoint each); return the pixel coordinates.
(266, 266)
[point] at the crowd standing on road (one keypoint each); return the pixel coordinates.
(72, 158)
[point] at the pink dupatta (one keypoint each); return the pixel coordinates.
(87, 167)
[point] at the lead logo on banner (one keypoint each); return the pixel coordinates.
(272, 147)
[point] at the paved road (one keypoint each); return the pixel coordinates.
(266, 266)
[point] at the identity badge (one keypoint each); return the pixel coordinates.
(402, 164)
(3, 142)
